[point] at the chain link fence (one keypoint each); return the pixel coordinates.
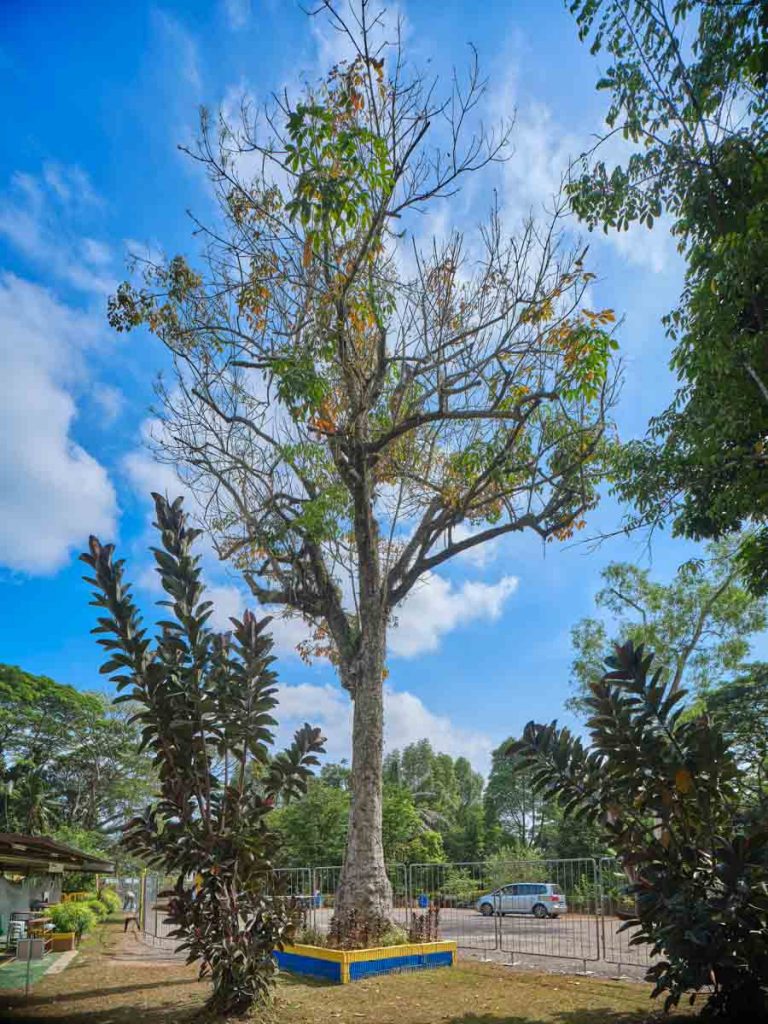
(569, 910)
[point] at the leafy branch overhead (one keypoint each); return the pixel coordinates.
(688, 88)
(205, 703)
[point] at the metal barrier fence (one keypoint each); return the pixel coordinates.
(563, 909)
(615, 907)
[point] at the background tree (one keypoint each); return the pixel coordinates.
(205, 701)
(739, 708)
(346, 397)
(665, 789)
(314, 828)
(688, 81)
(515, 812)
(523, 823)
(414, 828)
(701, 623)
(69, 760)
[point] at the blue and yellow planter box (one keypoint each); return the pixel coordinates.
(345, 965)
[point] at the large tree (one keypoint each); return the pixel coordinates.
(688, 83)
(352, 407)
(700, 623)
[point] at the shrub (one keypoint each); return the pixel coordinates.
(393, 936)
(205, 700)
(72, 917)
(110, 899)
(100, 909)
(666, 788)
(312, 937)
(461, 886)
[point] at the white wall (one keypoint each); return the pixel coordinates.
(17, 896)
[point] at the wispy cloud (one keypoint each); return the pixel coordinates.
(42, 217)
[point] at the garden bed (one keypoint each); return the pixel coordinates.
(345, 965)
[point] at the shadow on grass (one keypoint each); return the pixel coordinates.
(129, 1013)
(104, 993)
(591, 1016)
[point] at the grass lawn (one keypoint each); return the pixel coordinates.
(104, 986)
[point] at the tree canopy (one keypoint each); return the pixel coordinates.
(701, 622)
(688, 84)
(69, 760)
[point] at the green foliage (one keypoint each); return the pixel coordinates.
(72, 917)
(700, 624)
(68, 762)
(460, 885)
(314, 828)
(392, 936)
(205, 703)
(99, 908)
(739, 708)
(515, 863)
(687, 82)
(665, 788)
(110, 899)
(447, 794)
(407, 838)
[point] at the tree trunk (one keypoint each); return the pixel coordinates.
(364, 897)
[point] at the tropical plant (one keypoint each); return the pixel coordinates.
(515, 863)
(99, 908)
(461, 885)
(665, 788)
(110, 899)
(353, 407)
(204, 704)
(72, 917)
(68, 762)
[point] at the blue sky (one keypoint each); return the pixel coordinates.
(98, 97)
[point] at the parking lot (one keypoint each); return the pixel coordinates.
(570, 943)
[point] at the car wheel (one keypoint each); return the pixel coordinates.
(540, 911)
(486, 909)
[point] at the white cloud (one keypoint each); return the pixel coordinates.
(543, 152)
(238, 13)
(406, 719)
(479, 556)
(180, 44)
(109, 401)
(436, 607)
(42, 218)
(53, 492)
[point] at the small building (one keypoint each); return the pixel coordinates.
(32, 871)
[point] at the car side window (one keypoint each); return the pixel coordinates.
(540, 890)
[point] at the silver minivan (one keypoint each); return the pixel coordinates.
(542, 899)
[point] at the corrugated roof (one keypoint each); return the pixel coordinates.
(19, 850)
